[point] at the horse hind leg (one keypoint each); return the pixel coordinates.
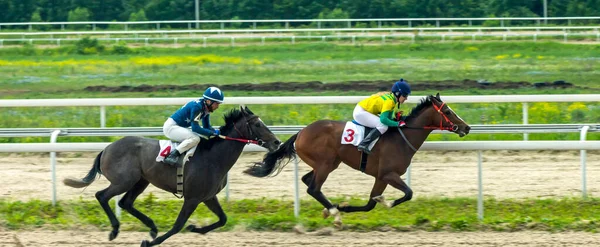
(315, 183)
(127, 204)
(377, 190)
(104, 197)
(308, 177)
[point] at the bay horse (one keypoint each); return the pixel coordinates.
(319, 146)
(130, 165)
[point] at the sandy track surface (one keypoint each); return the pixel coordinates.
(244, 238)
(506, 174)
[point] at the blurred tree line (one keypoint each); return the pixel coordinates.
(142, 10)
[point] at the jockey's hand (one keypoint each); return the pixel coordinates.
(216, 132)
(401, 123)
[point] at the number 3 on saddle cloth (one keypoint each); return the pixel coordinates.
(353, 134)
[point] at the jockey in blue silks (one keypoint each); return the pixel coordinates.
(177, 127)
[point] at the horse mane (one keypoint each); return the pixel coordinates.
(231, 117)
(425, 102)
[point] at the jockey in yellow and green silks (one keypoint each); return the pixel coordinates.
(377, 112)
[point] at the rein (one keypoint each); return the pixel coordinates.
(247, 141)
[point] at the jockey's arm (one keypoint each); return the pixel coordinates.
(202, 131)
(196, 126)
(206, 122)
(387, 119)
(387, 113)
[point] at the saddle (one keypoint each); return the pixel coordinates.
(166, 146)
(354, 133)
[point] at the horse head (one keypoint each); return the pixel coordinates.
(433, 113)
(249, 126)
(443, 117)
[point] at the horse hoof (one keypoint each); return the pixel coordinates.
(190, 228)
(153, 233)
(326, 213)
(145, 243)
(113, 235)
(338, 224)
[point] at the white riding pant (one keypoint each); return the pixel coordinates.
(186, 136)
(368, 119)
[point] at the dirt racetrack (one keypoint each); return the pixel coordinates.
(506, 174)
(335, 239)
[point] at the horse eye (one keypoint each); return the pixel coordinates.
(257, 124)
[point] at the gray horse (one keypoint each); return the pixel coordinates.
(129, 164)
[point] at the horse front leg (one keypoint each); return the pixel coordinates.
(394, 180)
(189, 206)
(215, 207)
(377, 190)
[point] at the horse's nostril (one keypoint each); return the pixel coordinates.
(277, 142)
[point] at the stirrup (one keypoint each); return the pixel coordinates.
(172, 163)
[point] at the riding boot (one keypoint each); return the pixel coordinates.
(364, 145)
(173, 158)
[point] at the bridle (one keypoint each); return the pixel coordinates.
(451, 126)
(256, 140)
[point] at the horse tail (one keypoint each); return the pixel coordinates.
(88, 179)
(275, 160)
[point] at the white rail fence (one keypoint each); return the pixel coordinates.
(254, 24)
(352, 39)
(103, 102)
(581, 145)
(466, 145)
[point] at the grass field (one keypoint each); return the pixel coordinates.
(430, 214)
(30, 72)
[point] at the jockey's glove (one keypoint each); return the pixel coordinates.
(401, 123)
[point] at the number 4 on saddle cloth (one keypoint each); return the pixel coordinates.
(166, 146)
(353, 134)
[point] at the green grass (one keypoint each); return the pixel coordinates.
(33, 73)
(430, 214)
(307, 62)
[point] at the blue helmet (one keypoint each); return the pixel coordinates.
(214, 94)
(401, 88)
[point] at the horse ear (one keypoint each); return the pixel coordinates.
(242, 109)
(248, 110)
(437, 96)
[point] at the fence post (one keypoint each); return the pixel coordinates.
(525, 119)
(102, 116)
(296, 189)
(583, 154)
(479, 185)
(53, 138)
